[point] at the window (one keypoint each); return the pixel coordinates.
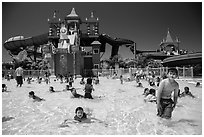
(96, 51)
(62, 56)
(96, 66)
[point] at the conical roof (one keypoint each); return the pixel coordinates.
(73, 16)
(73, 13)
(168, 37)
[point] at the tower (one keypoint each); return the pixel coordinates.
(170, 46)
(92, 58)
(53, 37)
(68, 56)
(92, 25)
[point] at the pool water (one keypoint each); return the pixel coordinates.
(115, 110)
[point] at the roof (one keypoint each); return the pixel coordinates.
(73, 13)
(54, 19)
(92, 18)
(168, 37)
(95, 43)
(73, 16)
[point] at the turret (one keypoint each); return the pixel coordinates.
(54, 26)
(92, 25)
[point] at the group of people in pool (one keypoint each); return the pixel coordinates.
(163, 98)
(88, 90)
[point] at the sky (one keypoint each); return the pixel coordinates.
(145, 23)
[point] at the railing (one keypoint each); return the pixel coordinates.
(182, 72)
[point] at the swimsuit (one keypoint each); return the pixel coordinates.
(166, 108)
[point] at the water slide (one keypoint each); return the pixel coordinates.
(16, 44)
(181, 60)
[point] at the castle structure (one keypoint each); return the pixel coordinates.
(66, 54)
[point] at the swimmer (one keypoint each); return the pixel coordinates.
(51, 89)
(121, 79)
(187, 93)
(36, 98)
(139, 84)
(165, 105)
(88, 89)
(29, 80)
(4, 88)
(82, 82)
(151, 96)
(146, 92)
(80, 115)
(197, 84)
(75, 94)
(96, 80)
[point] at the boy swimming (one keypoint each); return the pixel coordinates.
(80, 114)
(36, 98)
(187, 93)
(165, 105)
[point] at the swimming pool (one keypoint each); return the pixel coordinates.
(118, 110)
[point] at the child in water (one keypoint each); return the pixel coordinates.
(36, 98)
(80, 114)
(82, 82)
(75, 94)
(121, 79)
(165, 105)
(4, 88)
(187, 93)
(151, 96)
(88, 89)
(51, 89)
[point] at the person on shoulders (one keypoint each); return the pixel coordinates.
(165, 105)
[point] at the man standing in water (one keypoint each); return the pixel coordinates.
(19, 75)
(165, 105)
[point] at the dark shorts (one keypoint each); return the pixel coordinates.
(19, 80)
(166, 108)
(88, 95)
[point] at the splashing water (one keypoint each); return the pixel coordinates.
(115, 110)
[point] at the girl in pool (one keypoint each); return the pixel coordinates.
(88, 89)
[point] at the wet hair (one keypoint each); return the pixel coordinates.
(173, 70)
(197, 84)
(51, 88)
(31, 93)
(79, 108)
(89, 81)
(145, 89)
(3, 85)
(186, 88)
(152, 91)
(67, 87)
